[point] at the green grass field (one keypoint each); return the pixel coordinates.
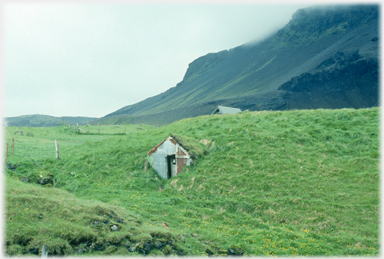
(271, 183)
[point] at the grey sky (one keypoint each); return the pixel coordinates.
(82, 59)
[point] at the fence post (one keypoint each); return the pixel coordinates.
(6, 153)
(98, 124)
(77, 128)
(44, 252)
(57, 149)
(13, 145)
(125, 129)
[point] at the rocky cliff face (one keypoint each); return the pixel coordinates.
(339, 72)
(345, 80)
(314, 23)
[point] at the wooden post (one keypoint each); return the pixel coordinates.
(57, 149)
(125, 129)
(13, 144)
(6, 153)
(77, 128)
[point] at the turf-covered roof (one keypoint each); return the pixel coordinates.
(191, 145)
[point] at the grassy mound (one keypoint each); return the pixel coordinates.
(68, 226)
(265, 183)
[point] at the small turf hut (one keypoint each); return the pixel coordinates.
(225, 110)
(170, 156)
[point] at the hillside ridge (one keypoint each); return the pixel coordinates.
(38, 120)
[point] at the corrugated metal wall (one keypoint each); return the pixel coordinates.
(160, 163)
(169, 147)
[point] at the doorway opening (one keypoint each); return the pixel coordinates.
(171, 160)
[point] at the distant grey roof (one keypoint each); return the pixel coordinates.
(226, 110)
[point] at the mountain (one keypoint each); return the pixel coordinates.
(325, 57)
(37, 120)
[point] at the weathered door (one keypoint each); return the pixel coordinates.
(181, 160)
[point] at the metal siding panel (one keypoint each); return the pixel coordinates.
(183, 151)
(169, 147)
(160, 163)
(172, 140)
(180, 152)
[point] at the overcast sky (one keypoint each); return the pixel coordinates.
(82, 59)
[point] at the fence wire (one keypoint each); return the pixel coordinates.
(28, 151)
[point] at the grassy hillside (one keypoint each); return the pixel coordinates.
(37, 120)
(269, 183)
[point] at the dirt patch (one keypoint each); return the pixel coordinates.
(205, 141)
(193, 181)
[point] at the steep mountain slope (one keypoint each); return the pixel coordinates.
(37, 120)
(263, 70)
